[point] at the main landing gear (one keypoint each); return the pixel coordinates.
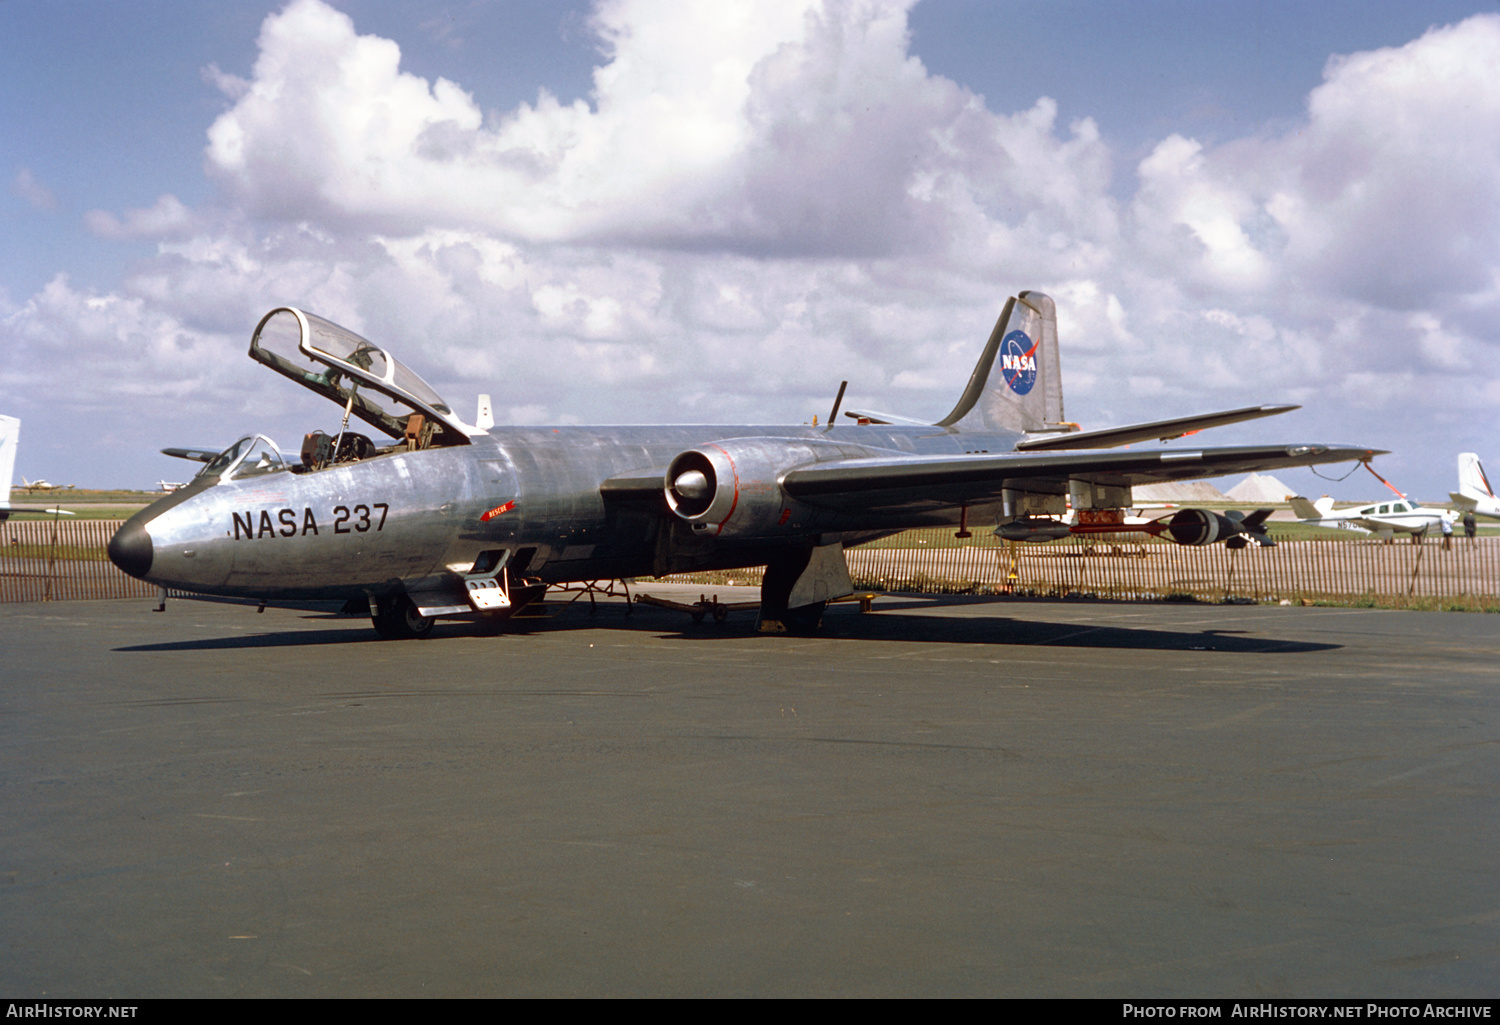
(397, 619)
(821, 574)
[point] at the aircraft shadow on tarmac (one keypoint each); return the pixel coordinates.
(884, 624)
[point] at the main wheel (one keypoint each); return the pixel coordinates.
(399, 620)
(804, 620)
(775, 590)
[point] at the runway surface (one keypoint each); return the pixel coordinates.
(941, 797)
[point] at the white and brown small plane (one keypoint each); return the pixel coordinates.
(1384, 519)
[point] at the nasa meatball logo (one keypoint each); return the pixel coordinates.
(1018, 361)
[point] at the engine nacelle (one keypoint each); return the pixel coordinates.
(732, 488)
(1196, 527)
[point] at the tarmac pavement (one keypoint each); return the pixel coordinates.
(945, 796)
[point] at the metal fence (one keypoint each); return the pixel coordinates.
(58, 560)
(1291, 569)
(1337, 569)
(62, 560)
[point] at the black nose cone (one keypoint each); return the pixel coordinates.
(130, 549)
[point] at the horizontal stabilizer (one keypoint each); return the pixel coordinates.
(1158, 430)
(197, 455)
(885, 418)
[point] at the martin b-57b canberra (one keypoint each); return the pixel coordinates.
(449, 519)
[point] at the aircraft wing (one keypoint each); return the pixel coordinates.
(1157, 430)
(200, 455)
(925, 482)
(1381, 527)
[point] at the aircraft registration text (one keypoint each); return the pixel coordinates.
(359, 519)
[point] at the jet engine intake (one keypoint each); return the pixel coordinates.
(732, 488)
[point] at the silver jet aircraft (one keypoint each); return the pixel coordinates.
(442, 518)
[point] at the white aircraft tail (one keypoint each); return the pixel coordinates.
(1472, 483)
(1017, 384)
(1306, 510)
(10, 436)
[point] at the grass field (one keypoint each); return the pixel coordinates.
(83, 504)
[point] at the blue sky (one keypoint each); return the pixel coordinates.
(1231, 202)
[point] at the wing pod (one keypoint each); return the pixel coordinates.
(1032, 529)
(1197, 527)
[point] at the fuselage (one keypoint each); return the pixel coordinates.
(1390, 517)
(418, 520)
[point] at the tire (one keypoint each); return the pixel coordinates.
(399, 620)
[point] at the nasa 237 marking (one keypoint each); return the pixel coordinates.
(359, 519)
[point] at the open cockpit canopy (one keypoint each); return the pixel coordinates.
(340, 365)
(251, 456)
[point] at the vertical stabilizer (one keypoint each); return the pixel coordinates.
(1017, 384)
(10, 435)
(1472, 483)
(1305, 510)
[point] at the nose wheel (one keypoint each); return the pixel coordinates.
(397, 619)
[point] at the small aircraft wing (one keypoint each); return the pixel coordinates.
(1380, 527)
(1157, 430)
(924, 482)
(198, 455)
(875, 417)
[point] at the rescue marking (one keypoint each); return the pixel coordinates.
(507, 507)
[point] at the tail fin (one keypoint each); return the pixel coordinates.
(1472, 483)
(1305, 510)
(10, 436)
(1017, 384)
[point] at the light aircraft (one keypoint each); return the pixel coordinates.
(170, 486)
(42, 485)
(1474, 492)
(1384, 519)
(450, 519)
(10, 436)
